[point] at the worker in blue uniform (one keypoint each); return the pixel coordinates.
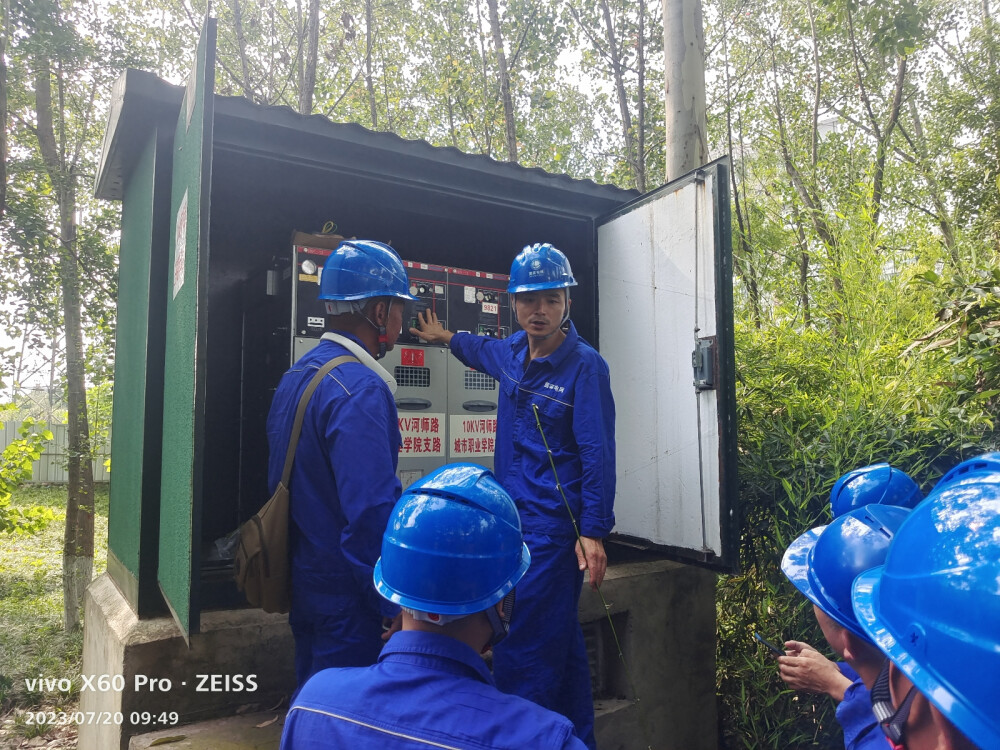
(343, 483)
(451, 557)
(809, 670)
(822, 563)
(549, 366)
(933, 607)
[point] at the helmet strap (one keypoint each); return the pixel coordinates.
(500, 621)
(891, 719)
(383, 336)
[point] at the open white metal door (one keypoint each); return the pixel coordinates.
(666, 329)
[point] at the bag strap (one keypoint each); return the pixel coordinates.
(300, 413)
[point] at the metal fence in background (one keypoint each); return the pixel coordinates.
(51, 465)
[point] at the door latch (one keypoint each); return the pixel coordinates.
(703, 363)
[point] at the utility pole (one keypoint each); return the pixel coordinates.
(684, 76)
(686, 130)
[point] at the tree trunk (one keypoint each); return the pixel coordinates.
(878, 179)
(743, 259)
(300, 40)
(241, 44)
(817, 90)
(882, 135)
(810, 200)
(309, 69)
(504, 78)
(941, 212)
(803, 266)
(684, 81)
(988, 28)
(369, 83)
(487, 145)
(3, 107)
(78, 543)
(619, 76)
(640, 177)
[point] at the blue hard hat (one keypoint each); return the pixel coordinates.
(934, 606)
(981, 468)
(540, 266)
(359, 269)
(876, 484)
(823, 562)
(453, 545)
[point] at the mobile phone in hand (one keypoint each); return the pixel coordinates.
(775, 650)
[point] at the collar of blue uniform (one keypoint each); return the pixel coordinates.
(407, 645)
(556, 358)
(354, 347)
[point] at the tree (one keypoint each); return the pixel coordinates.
(503, 79)
(866, 315)
(4, 25)
(620, 48)
(964, 95)
(62, 164)
(56, 109)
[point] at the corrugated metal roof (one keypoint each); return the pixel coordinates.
(142, 100)
(285, 116)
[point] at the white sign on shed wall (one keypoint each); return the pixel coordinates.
(664, 275)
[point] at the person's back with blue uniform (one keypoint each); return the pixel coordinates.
(428, 690)
(451, 557)
(343, 484)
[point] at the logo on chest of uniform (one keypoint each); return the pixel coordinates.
(554, 387)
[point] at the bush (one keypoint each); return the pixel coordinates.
(811, 409)
(15, 469)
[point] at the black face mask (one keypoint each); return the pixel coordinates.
(890, 718)
(500, 622)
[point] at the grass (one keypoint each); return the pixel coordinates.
(32, 641)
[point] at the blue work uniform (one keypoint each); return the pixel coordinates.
(428, 690)
(544, 657)
(855, 716)
(343, 488)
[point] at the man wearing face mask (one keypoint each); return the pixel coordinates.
(548, 369)
(451, 557)
(343, 483)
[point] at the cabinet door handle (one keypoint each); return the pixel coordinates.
(479, 406)
(413, 404)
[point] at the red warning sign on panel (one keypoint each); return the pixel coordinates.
(411, 357)
(422, 435)
(472, 436)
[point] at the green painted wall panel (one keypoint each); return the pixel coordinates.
(129, 409)
(184, 368)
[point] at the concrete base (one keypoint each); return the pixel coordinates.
(665, 616)
(139, 673)
(257, 731)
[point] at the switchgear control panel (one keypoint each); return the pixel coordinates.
(447, 411)
(463, 300)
